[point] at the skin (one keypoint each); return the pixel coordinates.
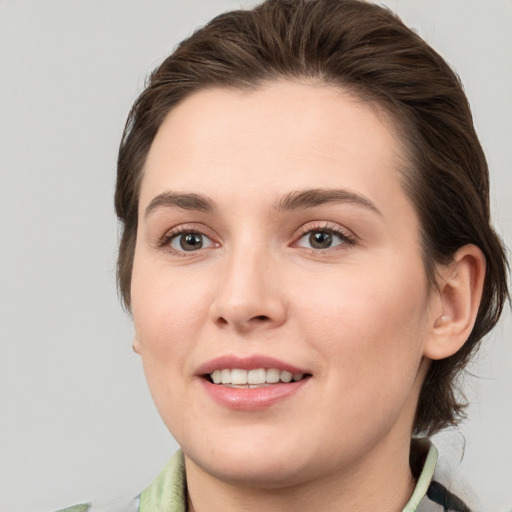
(358, 315)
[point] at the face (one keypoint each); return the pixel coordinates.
(278, 293)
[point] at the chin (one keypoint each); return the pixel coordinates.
(263, 472)
(252, 462)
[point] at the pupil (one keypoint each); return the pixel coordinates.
(191, 242)
(320, 240)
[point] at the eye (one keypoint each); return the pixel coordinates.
(189, 241)
(322, 239)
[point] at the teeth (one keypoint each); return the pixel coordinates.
(225, 376)
(258, 376)
(286, 376)
(238, 376)
(252, 378)
(272, 376)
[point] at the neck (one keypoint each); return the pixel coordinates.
(382, 481)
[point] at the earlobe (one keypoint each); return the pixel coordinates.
(136, 345)
(460, 286)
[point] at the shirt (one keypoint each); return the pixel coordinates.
(168, 491)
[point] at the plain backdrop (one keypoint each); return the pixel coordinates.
(76, 420)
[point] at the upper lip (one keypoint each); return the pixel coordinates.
(252, 362)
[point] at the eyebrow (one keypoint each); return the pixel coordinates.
(196, 202)
(303, 199)
(296, 200)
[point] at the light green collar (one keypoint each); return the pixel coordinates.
(168, 491)
(424, 480)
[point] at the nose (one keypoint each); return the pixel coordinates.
(250, 295)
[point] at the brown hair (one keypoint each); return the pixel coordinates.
(366, 49)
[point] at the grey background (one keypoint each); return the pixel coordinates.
(76, 420)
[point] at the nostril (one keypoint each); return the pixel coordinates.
(261, 318)
(243, 322)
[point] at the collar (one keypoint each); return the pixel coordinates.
(423, 460)
(168, 491)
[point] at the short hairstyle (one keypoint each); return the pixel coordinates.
(367, 50)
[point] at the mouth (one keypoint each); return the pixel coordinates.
(255, 378)
(251, 383)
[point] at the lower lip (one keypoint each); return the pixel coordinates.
(252, 399)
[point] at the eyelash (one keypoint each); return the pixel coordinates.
(348, 240)
(165, 241)
(332, 229)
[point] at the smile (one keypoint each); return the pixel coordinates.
(259, 377)
(251, 383)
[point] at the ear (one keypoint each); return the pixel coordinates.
(136, 345)
(460, 285)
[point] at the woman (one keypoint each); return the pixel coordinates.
(308, 258)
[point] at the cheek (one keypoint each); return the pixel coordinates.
(166, 304)
(368, 327)
(168, 314)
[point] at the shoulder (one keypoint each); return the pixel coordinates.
(76, 508)
(118, 505)
(166, 493)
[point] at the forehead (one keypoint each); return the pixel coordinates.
(280, 136)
